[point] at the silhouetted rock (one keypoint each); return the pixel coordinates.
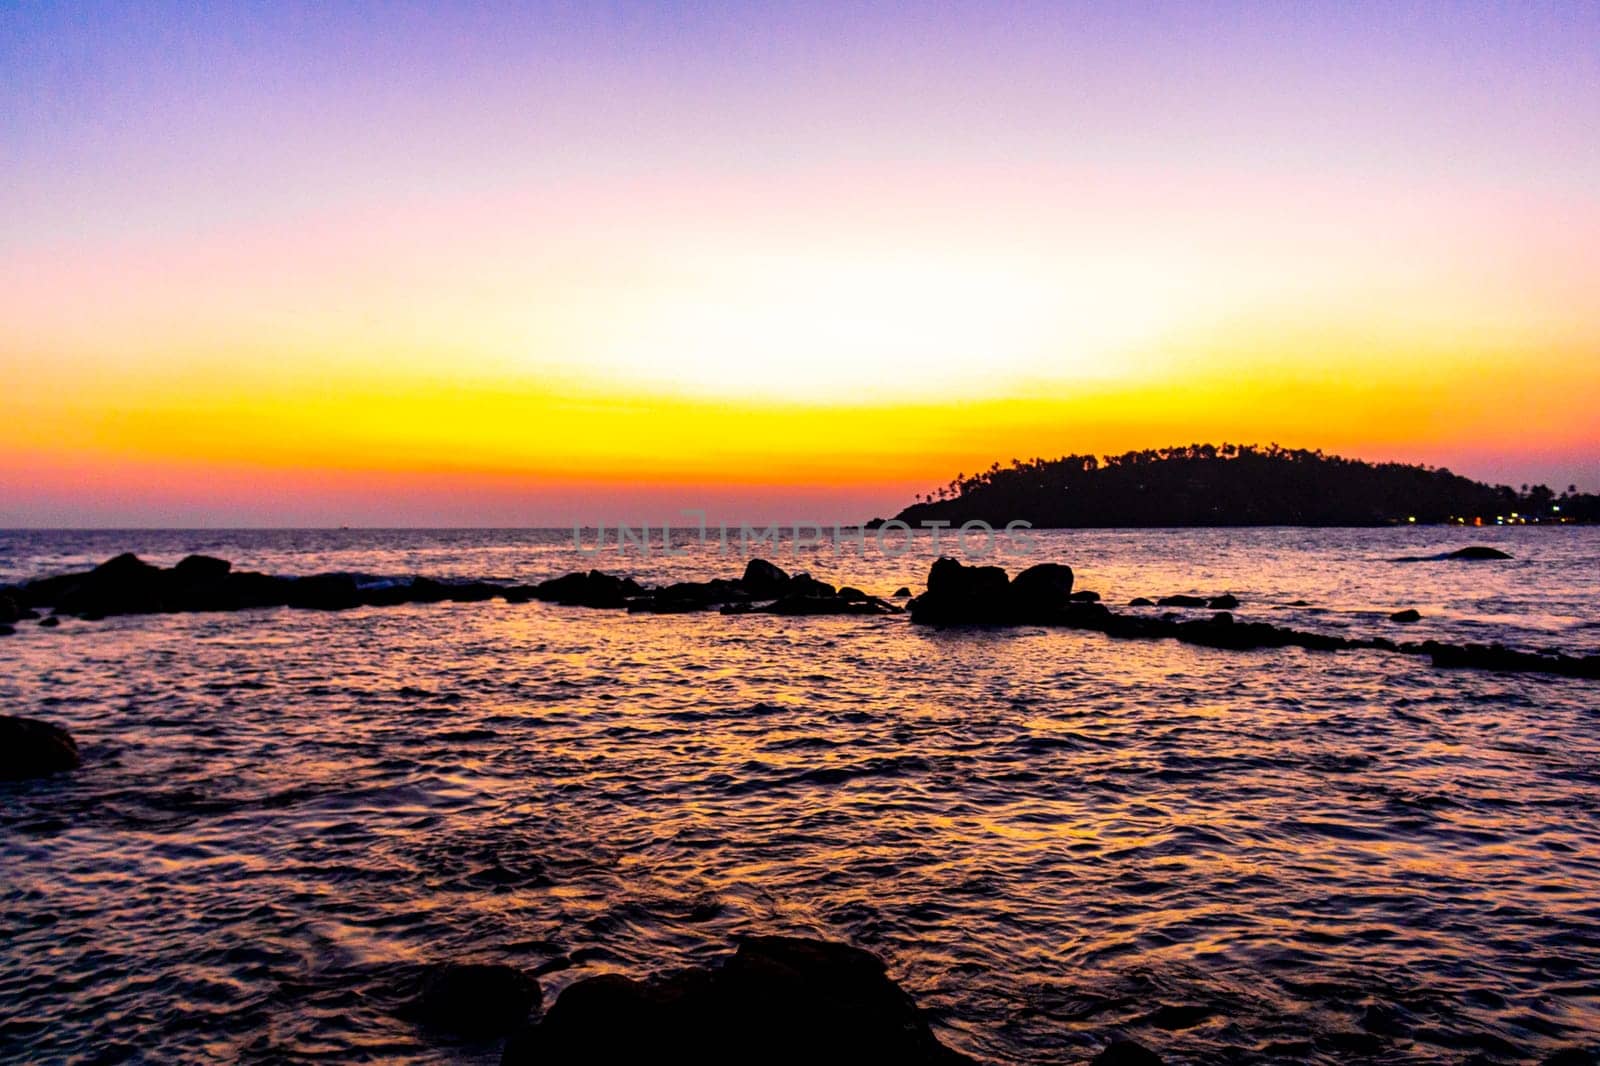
(9, 611)
(1477, 551)
(122, 585)
(324, 592)
(31, 748)
(7, 631)
(1182, 601)
(593, 589)
(1046, 584)
(901, 592)
(777, 1000)
(764, 580)
(851, 593)
(1141, 601)
(1571, 1056)
(49, 622)
(1126, 1053)
(1410, 614)
(197, 569)
(1225, 602)
(1085, 596)
(476, 999)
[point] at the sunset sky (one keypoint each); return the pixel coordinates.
(287, 264)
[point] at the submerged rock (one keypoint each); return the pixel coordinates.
(1141, 601)
(1477, 551)
(1182, 601)
(476, 998)
(31, 748)
(1225, 602)
(1410, 614)
(776, 1000)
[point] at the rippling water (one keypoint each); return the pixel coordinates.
(1050, 836)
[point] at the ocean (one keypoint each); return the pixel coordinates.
(1051, 837)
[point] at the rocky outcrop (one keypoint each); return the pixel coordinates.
(983, 595)
(476, 999)
(30, 748)
(1477, 552)
(1182, 601)
(776, 1000)
(1410, 614)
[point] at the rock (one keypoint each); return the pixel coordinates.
(1410, 614)
(1085, 596)
(852, 594)
(1571, 1056)
(593, 589)
(7, 631)
(9, 611)
(1476, 552)
(1141, 601)
(125, 584)
(902, 592)
(1225, 602)
(476, 999)
(777, 1000)
(1182, 601)
(948, 577)
(325, 592)
(31, 748)
(49, 622)
(806, 585)
(1126, 1053)
(201, 569)
(1045, 583)
(764, 580)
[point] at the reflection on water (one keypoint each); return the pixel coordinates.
(1051, 836)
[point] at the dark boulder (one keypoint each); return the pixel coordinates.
(806, 585)
(949, 577)
(125, 584)
(31, 748)
(49, 622)
(593, 589)
(7, 631)
(1126, 1053)
(476, 999)
(201, 569)
(852, 594)
(324, 592)
(1046, 583)
(902, 592)
(1182, 601)
(1410, 614)
(1477, 552)
(1085, 596)
(9, 611)
(764, 580)
(1141, 601)
(1225, 602)
(777, 1000)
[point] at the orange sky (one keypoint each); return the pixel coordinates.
(528, 322)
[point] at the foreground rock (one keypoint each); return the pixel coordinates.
(984, 595)
(776, 1000)
(476, 999)
(30, 748)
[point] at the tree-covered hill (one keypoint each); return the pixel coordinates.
(1234, 485)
